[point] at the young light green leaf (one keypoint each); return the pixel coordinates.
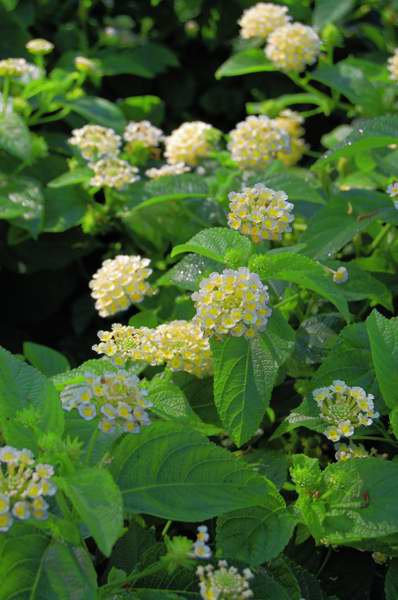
(215, 243)
(383, 336)
(247, 61)
(48, 361)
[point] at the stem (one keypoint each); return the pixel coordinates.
(287, 300)
(375, 439)
(133, 577)
(166, 528)
(6, 93)
(91, 445)
(380, 236)
(324, 562)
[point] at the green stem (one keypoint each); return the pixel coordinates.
(166, 528)
(375, 439)
(324, 562)
(287, 300)
(91, 445)
(133, 577)
(380, 236)
(6, 93)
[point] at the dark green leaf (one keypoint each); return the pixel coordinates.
(99, 111)
(215, 243)
(48, 361)
(15, 136)
(383, 336)
(247, 61)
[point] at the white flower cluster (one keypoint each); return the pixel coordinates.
(351, 450)
(392, 65)
(180, 345)
(119, 283)
(116, 397)
(175, 169)
(260, 20)
(189, 143)
(95, 142)
(15, 67)
(200, 549)
(143, 132)
(39, 46)
(293, 47)
(232, 302)
(260, 213)
(255, 141)
(291, 122)
(23, 485)
(113, 172)
(224, 583)
(344, 408)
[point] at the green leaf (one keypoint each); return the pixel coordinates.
(361, 285)
(147, 60)
(95, 365)
(79, 175)
(257, 534)
(325, 12)
(247, 61)
(187, 273)
(64, 208)
(140, 108)
(65, 572)
(21, 199)
(15, 136)
(244, 375)
(215, 243)
(48, 361)
(98, 500)
(302, 271)
(299, 184)
(270, 463)
(99, 111)
(22, 388)
(172, 472)
(391, 581)
(383, 336)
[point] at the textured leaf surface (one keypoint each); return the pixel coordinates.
(247, 61)
(214, 243)
(383, 336)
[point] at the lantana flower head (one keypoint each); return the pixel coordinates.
(260, 20)
(39, 46)
(120, 282)
(232, 303)
(23, 485)
(14, 67)
(143, 132)
(95, 141)
(293, 47)
(180, 345)
(260, 213)
(291, 122)
(190, 143)
(392, 65)
(344, 408)
(255, 141)
(346, 451)
(224, 583)
(116, 397)
(164, 170)
(113, 172)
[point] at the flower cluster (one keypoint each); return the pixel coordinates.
(190, 142)
(180, 345)
(95, 141)
(200, 549)
(114, 396)
(392, 191)
(392, 65)
(23, 483)
(351, 450)
(261, 19)
(255, 141)
(344, 408)
(340, 275)
(143, 132)
(39, 46)
(232, 302)
(84, 64)
(120, 282)
(113, 172)
(176, 169)
(14, 67)
(224, 583)
(291, 122)
(293, 47)
(260, 213)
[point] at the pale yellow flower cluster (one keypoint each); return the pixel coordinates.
(119, 283)
(291, 122)
(164, 170)
(232, 303)
(23, 485)
(344, 408)
(392, 65)
(144, 133)
(257, 140)
(263, 18)
(224, 583)
(113, 172)
(293, 47)
(190, 142)
(14, 67)
(260, 213)
(116, 397)
(95, 142)
(39, 46)
(180, 345)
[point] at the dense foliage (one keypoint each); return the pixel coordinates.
(199, 360)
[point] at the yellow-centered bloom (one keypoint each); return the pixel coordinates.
(293, 47)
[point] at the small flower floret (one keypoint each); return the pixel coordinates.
(200, 549)
(232, 303)
(340, 275)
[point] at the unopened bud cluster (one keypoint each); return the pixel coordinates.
(232, 302)
(23, 485)
(224, 583)
(39, 47)
(116, 397)
(260, 213)
(180, 345)
(120, 282)
(256, 141)
(261, 19)
(344, 408)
